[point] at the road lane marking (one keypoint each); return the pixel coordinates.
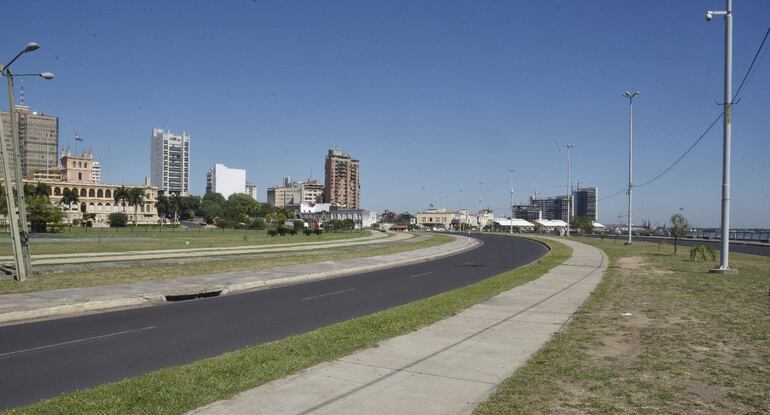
(422, 274)
(87, 339)
(328, 294)
(469, 263)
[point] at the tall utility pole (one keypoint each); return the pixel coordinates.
(511, 183)
(10, 200)
(569, 184)
(481, 195)
(21, 197)
(724, 254)
(630, 95)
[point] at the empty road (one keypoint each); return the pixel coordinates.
(43, 359)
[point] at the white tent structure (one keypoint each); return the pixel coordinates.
(553, 225)
(516, 223)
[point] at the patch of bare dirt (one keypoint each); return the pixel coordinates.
(632, 263)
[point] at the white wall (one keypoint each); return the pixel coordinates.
(228, 181)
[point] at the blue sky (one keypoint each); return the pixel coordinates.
(432, 97)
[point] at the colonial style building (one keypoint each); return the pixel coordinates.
(75, 173)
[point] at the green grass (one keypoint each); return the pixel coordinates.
(109, 276)
(695, 343)
(150, 238)
(179, 389)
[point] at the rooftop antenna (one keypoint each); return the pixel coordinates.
(21, 94)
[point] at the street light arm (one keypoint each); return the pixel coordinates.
(31, 46)
(44, 75)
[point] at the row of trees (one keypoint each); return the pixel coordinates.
(237, 211)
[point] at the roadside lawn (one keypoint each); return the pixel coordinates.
(693, 342)
(180, 389)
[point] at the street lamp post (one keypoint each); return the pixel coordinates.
(511, 183)
(569, 184)
(724, 254)
(630, 95)
(481, 193)
(20, 232)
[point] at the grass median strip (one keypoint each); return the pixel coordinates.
(130, 239)
(124, 275)
(180, 389)
(658, 335)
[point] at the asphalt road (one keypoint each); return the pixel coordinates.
(44, 359)
(761, 250)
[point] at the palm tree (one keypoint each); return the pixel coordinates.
(177, 203)
(135, 197)
(68, 197)
(678, 228)
(121, 196)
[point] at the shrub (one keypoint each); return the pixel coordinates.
(117, 219)
(700, 251)
(282, 231)
(307, 232)
(292, 231)
(318, 231)
(272, 232)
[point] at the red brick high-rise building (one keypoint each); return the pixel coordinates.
(343, 186)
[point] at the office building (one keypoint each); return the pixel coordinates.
(225, 181)
(170, 162)
(584, 201)
(282, 195)
(251, 190)
(552, 208)
(38, 140)
(342, 180)
(309, 191)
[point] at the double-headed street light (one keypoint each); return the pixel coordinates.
(569, 184)
(630, 95)
(20, 230)
(511, 188)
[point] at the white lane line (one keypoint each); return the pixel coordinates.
(469, 263)
(422, 274)
(490, 256)
(328, 294)
(51, 346)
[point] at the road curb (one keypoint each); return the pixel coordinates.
(160, 298)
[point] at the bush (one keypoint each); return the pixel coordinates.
(282, 231)
(318, 231)
(307, 232)
(292, 231)
(272, 232)
(117, 219)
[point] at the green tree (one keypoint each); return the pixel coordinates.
(678, 228)
(69, 197)
(239, 209)
(135, 198)
(117, 219)
(163, 206)
(211, 207)
(40, 212)
(121, 195)
(583, 224)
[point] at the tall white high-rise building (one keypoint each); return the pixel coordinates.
(225, 181)
(170, 162)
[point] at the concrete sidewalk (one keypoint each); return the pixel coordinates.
(43, 304)
(446, 368)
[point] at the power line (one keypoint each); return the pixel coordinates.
(661, 174)
(713, 123)
(625, 189)
(753, 61)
